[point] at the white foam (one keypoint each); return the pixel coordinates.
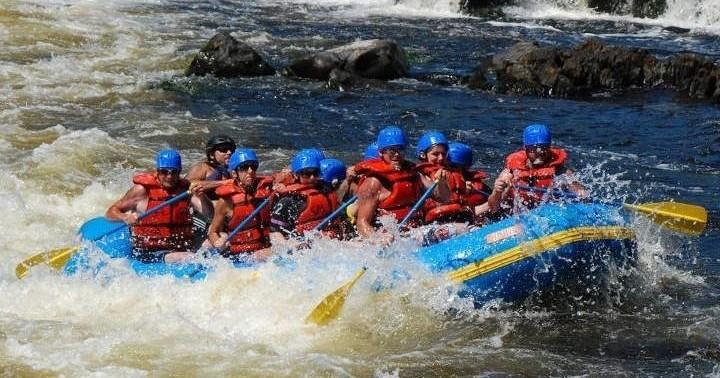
(701, 16)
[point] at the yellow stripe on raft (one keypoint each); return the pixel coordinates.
(538, 246)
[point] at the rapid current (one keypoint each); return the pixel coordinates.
(91, 89)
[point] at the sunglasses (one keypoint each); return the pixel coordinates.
(309, 173)
(224, 149)
(393, 150)
(168, 172)
(246, 167)
(538, 149)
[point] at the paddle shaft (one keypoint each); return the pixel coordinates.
(169, 202)
(248, 218)
(419, 203)
(335, 213)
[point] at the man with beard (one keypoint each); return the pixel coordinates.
(530, 173)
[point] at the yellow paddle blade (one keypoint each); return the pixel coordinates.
(56, 258)
(681, 217)
(330, 307)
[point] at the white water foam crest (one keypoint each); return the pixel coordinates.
(257, 314)
(99, 48)
(394, 8)
(698, 15)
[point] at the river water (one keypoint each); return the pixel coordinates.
(91, 89)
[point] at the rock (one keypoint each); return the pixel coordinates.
(594, 65)
(483, 8)
(698, 75)
(371, 59)
(637, 8)
(317, 66)
(341, 80)
(224, 56)
(528, 68)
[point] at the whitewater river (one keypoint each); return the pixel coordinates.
(90, 90)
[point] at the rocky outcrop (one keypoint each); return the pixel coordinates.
(224, 56)
(379, 59)
(637, 8)
(528, 68)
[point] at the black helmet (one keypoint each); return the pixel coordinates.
(218, 140)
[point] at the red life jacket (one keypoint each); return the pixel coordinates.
(256, 233)
(541, 178)
(456, 209)
(169, 228)
(477, 182)
(318, 205)
(404, 185)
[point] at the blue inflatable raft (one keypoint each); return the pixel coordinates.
(517, 256)
(509, 259)
(118, 244)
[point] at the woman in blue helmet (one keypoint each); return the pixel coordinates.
(166, 235)
(304, 204)
(237, 200)
(432, 153)
(530, 172)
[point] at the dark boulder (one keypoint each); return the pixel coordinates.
(693, 73)
(528, 68)
(483, 8)
(637, 8)
(371, 59)
(224, 56)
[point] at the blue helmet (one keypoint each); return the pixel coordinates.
(168, 159)
(240, 156)
(305, 159)
(332, 170)
(429, 139)
(460, 154)
(536, 134)
(371, 152)
(391, 136)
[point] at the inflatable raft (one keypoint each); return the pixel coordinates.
(509, 259)
(118, 244)
(555, 243)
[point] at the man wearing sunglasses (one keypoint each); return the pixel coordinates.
(303, 205)
(238, 200)
(207, 175)
(529, 173)
(166, 235)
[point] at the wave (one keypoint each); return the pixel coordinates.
(697, 15)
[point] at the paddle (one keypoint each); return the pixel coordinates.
(57, 258)
(329, 308)
(335, 213)
(250, 217)
(681, 217)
